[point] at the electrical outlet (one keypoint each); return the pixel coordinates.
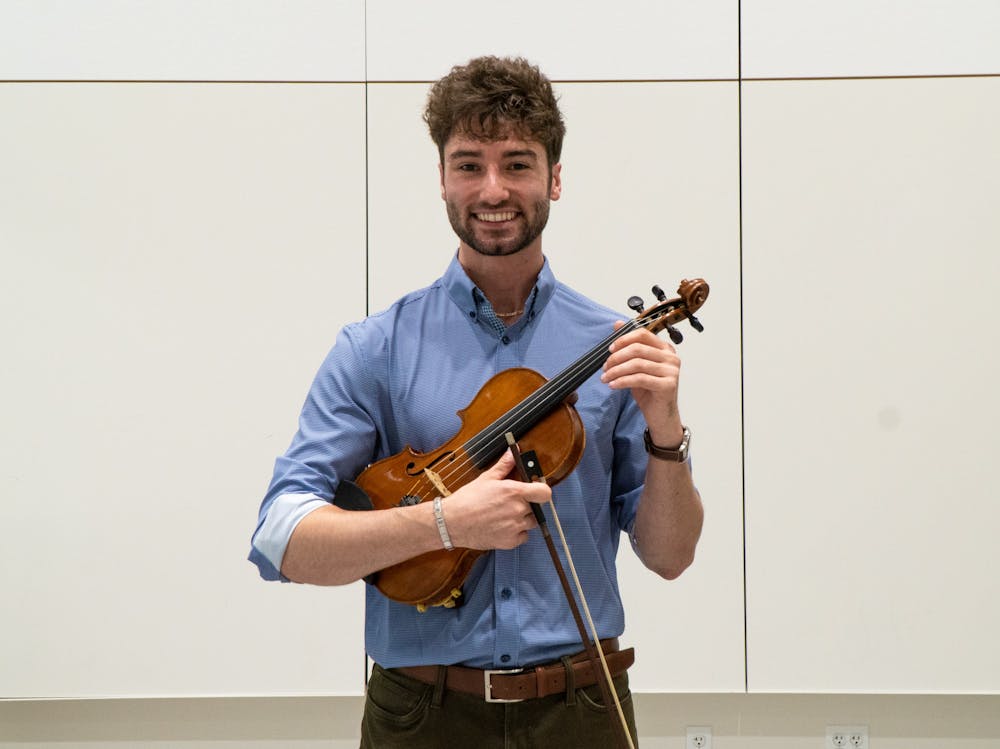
(847, 737)
(858, 738)
(699, 737)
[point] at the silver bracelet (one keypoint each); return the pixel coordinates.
(442, 528)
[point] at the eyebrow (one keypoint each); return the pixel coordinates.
(517, 153)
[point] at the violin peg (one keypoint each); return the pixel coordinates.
(660, 294)
(675, 335)
(636, 303)
(695, 322)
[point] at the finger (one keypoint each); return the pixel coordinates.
(661, 364)
(538, 493)
(645, 383)
(643, 340)
(657, 369)
(652, 367)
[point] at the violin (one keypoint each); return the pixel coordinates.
(540, 415)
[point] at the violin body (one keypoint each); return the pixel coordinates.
(557, 439)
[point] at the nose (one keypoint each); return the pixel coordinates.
(494, 188)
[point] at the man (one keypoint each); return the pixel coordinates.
(399, 377)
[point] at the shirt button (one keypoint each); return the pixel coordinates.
(505, 340)
(505, 658)
(472, 314)
(505, 594)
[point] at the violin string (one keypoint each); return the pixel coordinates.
(480, 445)
(539, 402)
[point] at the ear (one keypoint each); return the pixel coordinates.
(441, 177)
(555, 189)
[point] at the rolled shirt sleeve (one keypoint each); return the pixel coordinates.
(336, 438)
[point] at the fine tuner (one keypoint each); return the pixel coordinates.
(636, 304)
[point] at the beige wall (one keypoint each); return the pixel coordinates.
(739, 721)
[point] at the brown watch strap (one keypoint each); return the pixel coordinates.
(673, 454)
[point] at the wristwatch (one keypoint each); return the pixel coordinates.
(673, 454)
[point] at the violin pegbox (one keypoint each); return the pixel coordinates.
(666, 313)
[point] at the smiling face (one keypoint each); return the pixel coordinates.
(497, 192)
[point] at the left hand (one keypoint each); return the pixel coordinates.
(651, 368)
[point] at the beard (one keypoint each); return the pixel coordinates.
(530, 226)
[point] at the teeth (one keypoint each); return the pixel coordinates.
(496, 217)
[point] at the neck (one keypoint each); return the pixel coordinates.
(505, 280)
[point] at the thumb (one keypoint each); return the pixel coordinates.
(502, 468)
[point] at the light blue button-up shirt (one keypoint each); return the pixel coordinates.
(398, 378)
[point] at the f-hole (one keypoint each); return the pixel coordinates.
(412, 469)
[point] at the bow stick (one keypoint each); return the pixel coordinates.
(593, 648)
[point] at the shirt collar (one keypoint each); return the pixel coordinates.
(463, 292)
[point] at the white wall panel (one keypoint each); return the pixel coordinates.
(409, 239)
(814, 38)
(650, 195)
(177, 261)
(870, 277)
(586, 40)
(246, 40)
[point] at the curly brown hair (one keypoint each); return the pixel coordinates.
(491, 97)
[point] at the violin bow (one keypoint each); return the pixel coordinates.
(593, 648)
(659, 317)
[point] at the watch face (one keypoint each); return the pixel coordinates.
(682, 450)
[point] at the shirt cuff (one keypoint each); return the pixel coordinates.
(285, 512)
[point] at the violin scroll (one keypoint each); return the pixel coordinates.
(666, 313)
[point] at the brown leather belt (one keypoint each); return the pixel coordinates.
(517, 684)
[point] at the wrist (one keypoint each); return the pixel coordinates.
(669, 436)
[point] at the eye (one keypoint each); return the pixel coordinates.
(519, 165)
(467, 167)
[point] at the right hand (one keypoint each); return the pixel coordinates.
(493, 511)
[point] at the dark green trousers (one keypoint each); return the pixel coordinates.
(403, 712)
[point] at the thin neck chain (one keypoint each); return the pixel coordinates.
(515, 313)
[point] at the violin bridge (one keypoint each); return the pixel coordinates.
(438, 483)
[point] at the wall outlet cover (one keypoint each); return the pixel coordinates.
(847, 737)
(699, 737)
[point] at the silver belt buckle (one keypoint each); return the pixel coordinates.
(488, 691)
